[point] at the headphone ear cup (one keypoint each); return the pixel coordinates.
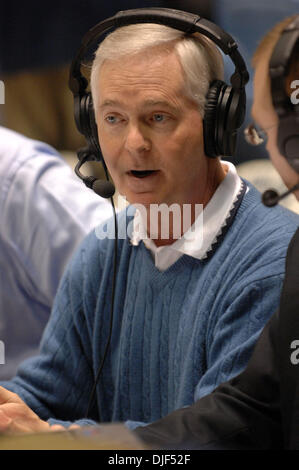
(224, 114)
(210, 122)
(86, 123)
(83, 121)
(93, 129)
(231, 117)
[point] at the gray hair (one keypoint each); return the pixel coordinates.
(200, 58)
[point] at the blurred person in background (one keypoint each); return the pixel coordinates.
(45, 212)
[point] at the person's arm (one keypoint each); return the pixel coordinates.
(234, 329)
(56, 384)
(46, 212)
(242, 413)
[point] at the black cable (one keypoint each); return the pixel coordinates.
(98, 374)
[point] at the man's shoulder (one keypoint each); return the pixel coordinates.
(261, 233)
(93, 260)
(268, 219)
(101, 239)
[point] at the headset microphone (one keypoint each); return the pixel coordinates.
(103, 188)
(271, 197)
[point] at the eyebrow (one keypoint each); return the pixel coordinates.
(109, 103)
(147, 103)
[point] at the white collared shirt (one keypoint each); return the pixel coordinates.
(197, 241)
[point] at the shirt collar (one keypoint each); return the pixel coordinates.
(208, 227)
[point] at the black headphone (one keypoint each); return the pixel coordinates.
(288, 113)
(225, 104)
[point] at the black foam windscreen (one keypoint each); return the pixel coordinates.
(103, 188)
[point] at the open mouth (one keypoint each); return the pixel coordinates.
(142, 173)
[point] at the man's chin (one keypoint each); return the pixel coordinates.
(141, 198)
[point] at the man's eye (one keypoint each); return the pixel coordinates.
(112, 119)
(158, 117)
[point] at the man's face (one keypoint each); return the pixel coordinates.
(150, 132)
(264, 114)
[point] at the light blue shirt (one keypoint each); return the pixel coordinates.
(45, 211)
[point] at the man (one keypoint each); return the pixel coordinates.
(44, 215)
(259, 409)
(186, 316)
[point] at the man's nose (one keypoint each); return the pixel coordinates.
(137, 141)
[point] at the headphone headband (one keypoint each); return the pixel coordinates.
(189, 23)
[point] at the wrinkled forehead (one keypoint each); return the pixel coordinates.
(147, 57)
(142, 70)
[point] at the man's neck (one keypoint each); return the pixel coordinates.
(166, 226)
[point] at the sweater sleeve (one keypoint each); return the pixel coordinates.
(242, 413)
(231, 339)
(56, 384)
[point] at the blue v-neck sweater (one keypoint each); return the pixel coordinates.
(176, 334)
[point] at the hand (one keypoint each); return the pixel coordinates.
(16, 417)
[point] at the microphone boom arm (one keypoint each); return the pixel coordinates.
(103, 188)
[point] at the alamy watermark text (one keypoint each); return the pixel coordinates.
(2, 353)
(2, 92)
